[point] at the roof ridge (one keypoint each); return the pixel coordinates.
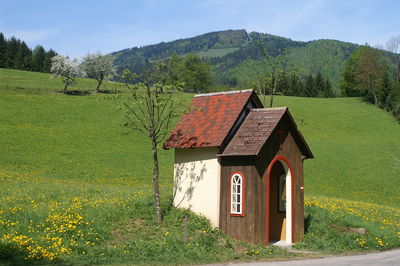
(223, 92)
(267, 109)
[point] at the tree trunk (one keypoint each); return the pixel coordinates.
(271, 102)
(155, 180)
(372, 88)
(65, 89)
(98, 86)
(375, 98)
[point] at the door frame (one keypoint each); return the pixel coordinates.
(289, 169)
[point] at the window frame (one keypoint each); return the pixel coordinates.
(241, 194)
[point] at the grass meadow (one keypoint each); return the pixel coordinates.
(76, 185)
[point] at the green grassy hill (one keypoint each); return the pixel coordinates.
(41, 82)
(67, 162)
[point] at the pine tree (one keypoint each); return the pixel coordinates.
(39, 55)
(319, 85)
(328, 93)
(23, 58)
(282, 85)
(3, 47)
(295, 85)
(309, 87)
(386, 94)
(11, 52)
(47, 60)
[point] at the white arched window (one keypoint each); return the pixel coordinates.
(237, 194)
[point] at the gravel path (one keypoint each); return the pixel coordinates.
(385, 258)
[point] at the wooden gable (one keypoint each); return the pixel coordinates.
(258, 127)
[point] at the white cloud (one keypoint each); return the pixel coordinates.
(33, 36)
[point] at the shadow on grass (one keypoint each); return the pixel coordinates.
(11, 255)
(307, 223)
(109, 91)
(77, 93)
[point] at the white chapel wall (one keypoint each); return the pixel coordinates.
(197, 181)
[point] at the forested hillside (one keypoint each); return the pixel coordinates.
(236, 58)
(15, 54)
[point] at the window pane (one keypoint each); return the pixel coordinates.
(234, 208)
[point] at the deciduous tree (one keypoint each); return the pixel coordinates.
(65, 68)
(393, 45)
(369, 72)
(191, 70)
(276, 65)
(99, 67)
(150, 112)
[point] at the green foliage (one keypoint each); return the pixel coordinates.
(23, 57)
(192, 71)
(15, 54)
(39, 56)
(294, 85)
(370, 74)
(310, 87)
(3, 51)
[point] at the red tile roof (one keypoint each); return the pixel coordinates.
(211, 118)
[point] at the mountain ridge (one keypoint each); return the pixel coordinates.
(236, 59)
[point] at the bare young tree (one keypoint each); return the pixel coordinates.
(393, 45)
(99, 67)
(276, 64)
(150, 112)
(67, 69)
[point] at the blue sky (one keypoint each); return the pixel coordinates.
(75, 28)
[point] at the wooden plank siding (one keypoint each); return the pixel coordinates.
(239, 227)
(252, 226)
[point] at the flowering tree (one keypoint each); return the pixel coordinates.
(62, 66)
(99, 67)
